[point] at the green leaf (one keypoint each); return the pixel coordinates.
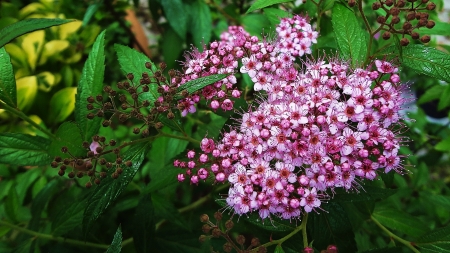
(278, 249)
(274, 15)
(350, 37)
(384, 250)
(24, 150)
(443, 145)
(12, 204)
(144, 225)
(110, 189)
(437, 241)
(69, 218)
(116, 245)
(444, 101)
(199, 83)
(62, 104)
(255, 23)
(132, 61)
(200, 23)
(176, 15)
(427, 61)
(399, 221)
(327, 5)
(331, 227)
(91, 84)
(368, 193)
(68, 135)
(431, 94)
(28, 25)
(91, 10)
(165, 209)
(8, 93)
(259, 4)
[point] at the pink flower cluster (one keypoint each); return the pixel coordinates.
(260, 59)
(320, 128)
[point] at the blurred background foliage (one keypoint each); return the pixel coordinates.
(48, 64)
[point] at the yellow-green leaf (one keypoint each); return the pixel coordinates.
(69, 28)
(46, 81)
(52, 48)
(32, 44)
(62, 104)
(26, 92)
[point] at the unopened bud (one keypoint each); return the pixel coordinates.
(425, 39)
(216, 233)
(430, 24)
(204, 218)
(130, 76)
(389, 3)
(404, 42)
(415, 35)
(88, 185)
(407, 26)
(227, 247)
(332, 249)
(386, 35)
(431, 6)
(381, 20)
(206, 228)
(229, 224)
(401, 3)
(376, 6)
(394, 11)
(240, 239)
(351, 3)
(395, 20)
(218, 216)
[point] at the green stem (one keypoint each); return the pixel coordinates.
(21, 115)
(54, 238)
(304, 235)
(186, 138)
(392, 235)
(369, 29)
(279, 241)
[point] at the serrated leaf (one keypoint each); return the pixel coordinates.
(177, 16)
(116, 245)
(200, 23)
(132, 61)
(91, 84)
(24, 150)
(165, 209)
(259, 4)
(28, 25)
(384, 250)
(350, 37)
(110, 189)
(369, 193)
(8, 93)
(437, 241)
(331, 226)
(69, 218)
(427, 61)
(199, 83)
(12, 204)
(68, 135)
(144, 225)
(399, 221)
(62, 104)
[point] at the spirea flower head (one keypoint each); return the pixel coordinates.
(312, 131)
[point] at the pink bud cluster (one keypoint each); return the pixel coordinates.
(260, 59)
(320, 128)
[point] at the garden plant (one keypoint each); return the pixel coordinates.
(256, 126)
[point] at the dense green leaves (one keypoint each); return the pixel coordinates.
(350, 37)
(175, 12)
(68, 135)
(331, 227)
(368, 193)
(259, 4)
(116, 245)
(199, 83)
(91, 84)
(132, 61)
(399, 221)
(437, 241)
(69, 218)
(110, 189)
(428, 61)
(23, 149)
(7, 82)
(200, 22)
(144, 225)
(28, 25)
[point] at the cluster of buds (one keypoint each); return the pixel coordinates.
(216, 230)
(94, 164)
(330, 249)
(405, 18)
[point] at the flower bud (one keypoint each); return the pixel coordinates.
(425, 39)
(401, 3)
(394, 11)
(240, 239)
(404, 42)
(415, 35)
(218, 216)
(386, 35)
(206, 228)
(407, 26)
(430, 24)
(381, 20)
(216, 232)
(88, 185)
(204, 218)
(351, 3)
(395, 20)
(411, 15)
(229, 224)
(376, 6)
(431, 6)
